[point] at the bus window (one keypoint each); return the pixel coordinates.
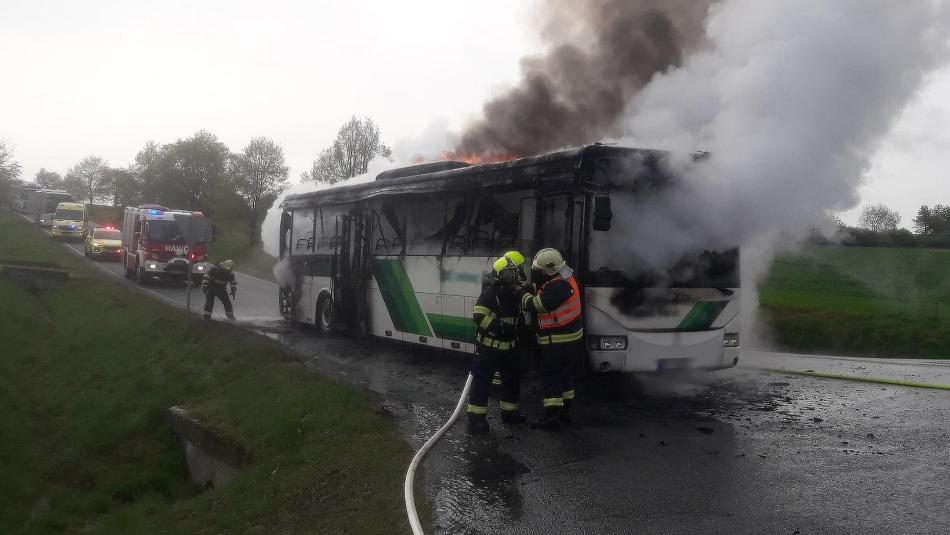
(554, 220)
(456, 225)
(388, 220)
(326, 229)
(526, 232)
(302, 238)
(424, 222)
(576, 229)
(495, 224)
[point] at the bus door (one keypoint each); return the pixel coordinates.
(560, 225)
(285, 287)
(342, 270)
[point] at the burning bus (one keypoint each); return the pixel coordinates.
(403, 257)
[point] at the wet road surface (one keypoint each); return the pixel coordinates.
(256, 298)
(736, 451)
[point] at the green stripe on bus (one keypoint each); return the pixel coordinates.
(457, 328)
(400, 298)
(702, 315)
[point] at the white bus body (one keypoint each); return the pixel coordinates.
(404, 258)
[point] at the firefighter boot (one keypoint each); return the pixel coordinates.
(477, 424)
(565, 415)
(513, 417)
(551, 419)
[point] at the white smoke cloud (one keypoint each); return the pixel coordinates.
(271, 225)
(791, 99)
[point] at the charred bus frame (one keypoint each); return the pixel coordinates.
(355, 264)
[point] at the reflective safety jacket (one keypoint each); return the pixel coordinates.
(217, 279)
(496, 319)
(558, 305)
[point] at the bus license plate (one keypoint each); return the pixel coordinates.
(665, 365)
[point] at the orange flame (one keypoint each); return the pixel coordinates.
(471, 158)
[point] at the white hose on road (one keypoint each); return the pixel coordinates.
(411, 473)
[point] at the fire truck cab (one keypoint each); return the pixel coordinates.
(155, 244)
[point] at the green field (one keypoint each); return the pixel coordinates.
(86, 372)
(860, 301)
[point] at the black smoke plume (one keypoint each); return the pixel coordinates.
(601, 53)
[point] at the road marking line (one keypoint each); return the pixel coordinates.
(944, 363)
(877, 380)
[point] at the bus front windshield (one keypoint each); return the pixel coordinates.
(623, 256)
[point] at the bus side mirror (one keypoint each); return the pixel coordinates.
(602, 213)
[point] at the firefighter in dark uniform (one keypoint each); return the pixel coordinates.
(559, 327)
(215, 284)
(496, 315)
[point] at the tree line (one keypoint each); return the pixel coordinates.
(878, 226)
(201, 173)
(197, 173)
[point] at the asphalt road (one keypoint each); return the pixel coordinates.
(746, 450)
(256, 302)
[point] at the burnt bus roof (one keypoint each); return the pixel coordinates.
(555, 168)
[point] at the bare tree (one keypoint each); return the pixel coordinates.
(48, 179)
(260, 175)
(88, 179)
(878, 218)
(356, 144)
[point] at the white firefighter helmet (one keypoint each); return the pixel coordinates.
(228, 264)
(548, 261)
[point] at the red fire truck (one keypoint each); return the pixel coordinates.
(161, 243)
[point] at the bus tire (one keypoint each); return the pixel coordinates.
(326, 315)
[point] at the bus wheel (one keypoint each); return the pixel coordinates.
(325, 315)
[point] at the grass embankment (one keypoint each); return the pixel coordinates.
(86, 372)
(233, 241)
(861, 301)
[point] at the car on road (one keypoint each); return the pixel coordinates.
(103, 242)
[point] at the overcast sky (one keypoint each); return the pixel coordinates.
(103, 78)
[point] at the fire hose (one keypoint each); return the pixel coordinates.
(411, 473)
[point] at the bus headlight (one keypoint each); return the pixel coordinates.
(730, 340)
(607, 343)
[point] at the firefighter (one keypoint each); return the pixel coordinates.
(560, 331)
(215, 284)
(496, 316)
